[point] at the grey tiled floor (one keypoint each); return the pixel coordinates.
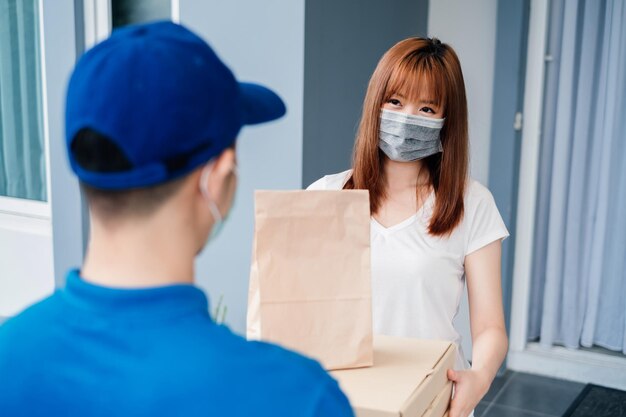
(522, 395)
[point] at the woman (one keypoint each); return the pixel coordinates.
(432, 227)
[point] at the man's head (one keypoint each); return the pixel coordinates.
(148, 111)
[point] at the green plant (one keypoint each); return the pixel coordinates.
(219, 314)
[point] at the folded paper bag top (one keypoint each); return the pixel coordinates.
(407, 379)
(310, 287)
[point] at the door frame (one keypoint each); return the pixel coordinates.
(582, 365)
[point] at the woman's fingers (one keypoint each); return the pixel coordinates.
(453, 375)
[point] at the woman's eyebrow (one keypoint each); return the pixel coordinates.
(428, 101)
(421, 100)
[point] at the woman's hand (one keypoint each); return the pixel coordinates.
(469, 388)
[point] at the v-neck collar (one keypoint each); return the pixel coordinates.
(424, 210)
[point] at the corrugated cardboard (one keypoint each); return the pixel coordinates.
(407, 376)
(439, 406)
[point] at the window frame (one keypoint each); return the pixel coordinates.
(12, 206)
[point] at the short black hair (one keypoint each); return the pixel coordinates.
(96, 152)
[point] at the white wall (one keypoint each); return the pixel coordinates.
(261, 42)
(67, 211)
(36, 250)
(470, 28)
(26, 272)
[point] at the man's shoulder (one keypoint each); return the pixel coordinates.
(32, 315)
(203, 356)
(262, 356)
(23, 335)
(277, 378)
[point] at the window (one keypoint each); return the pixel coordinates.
(127, 12)
(22, 149)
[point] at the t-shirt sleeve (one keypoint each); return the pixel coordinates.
(333, 402)
(485, 223)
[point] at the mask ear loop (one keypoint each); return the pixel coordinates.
(204, 188)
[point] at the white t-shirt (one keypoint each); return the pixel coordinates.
(417, 278)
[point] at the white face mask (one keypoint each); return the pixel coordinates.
(218, 218)
(407, 137)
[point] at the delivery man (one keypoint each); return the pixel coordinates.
(151, 121)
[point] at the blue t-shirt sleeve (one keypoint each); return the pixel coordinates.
(333, 402)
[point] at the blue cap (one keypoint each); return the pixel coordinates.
(164, 98)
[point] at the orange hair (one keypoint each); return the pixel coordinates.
(408, 68)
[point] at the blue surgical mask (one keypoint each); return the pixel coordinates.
(406, 137)
(218, 218)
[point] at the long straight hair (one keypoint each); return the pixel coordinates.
(411, 68)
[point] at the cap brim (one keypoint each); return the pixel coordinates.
(260, 104)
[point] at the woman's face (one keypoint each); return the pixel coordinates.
(422, 106)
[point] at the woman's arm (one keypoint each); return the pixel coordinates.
(484, 288)
(489, 339)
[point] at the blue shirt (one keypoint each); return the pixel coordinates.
(95, 351)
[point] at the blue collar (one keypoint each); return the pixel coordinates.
(144, 303)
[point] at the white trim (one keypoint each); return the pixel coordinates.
(175, 11)
(531, 138)
(24, 207)
(574, 365)
(64, 194)
(32, 225)
(97, 20)
(44, 109)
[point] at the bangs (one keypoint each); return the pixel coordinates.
(418, 79)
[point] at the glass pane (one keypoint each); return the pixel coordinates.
(22, 158)
(127, 12)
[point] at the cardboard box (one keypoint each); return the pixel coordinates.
(439, 406)
(408, 379)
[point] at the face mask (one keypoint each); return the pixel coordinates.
(218, 219)
(406, 137)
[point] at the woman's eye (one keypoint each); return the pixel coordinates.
(427, 110)
(394, 101)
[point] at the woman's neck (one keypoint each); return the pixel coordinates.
(403, 175)
(406, 188)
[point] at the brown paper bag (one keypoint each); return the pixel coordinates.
(310, 287)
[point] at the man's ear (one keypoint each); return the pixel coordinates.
(220, 171)
(225, 163)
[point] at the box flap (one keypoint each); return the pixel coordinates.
(440, 405)
(432, 385)
(401, 366)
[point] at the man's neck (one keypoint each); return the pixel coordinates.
(138, 256)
